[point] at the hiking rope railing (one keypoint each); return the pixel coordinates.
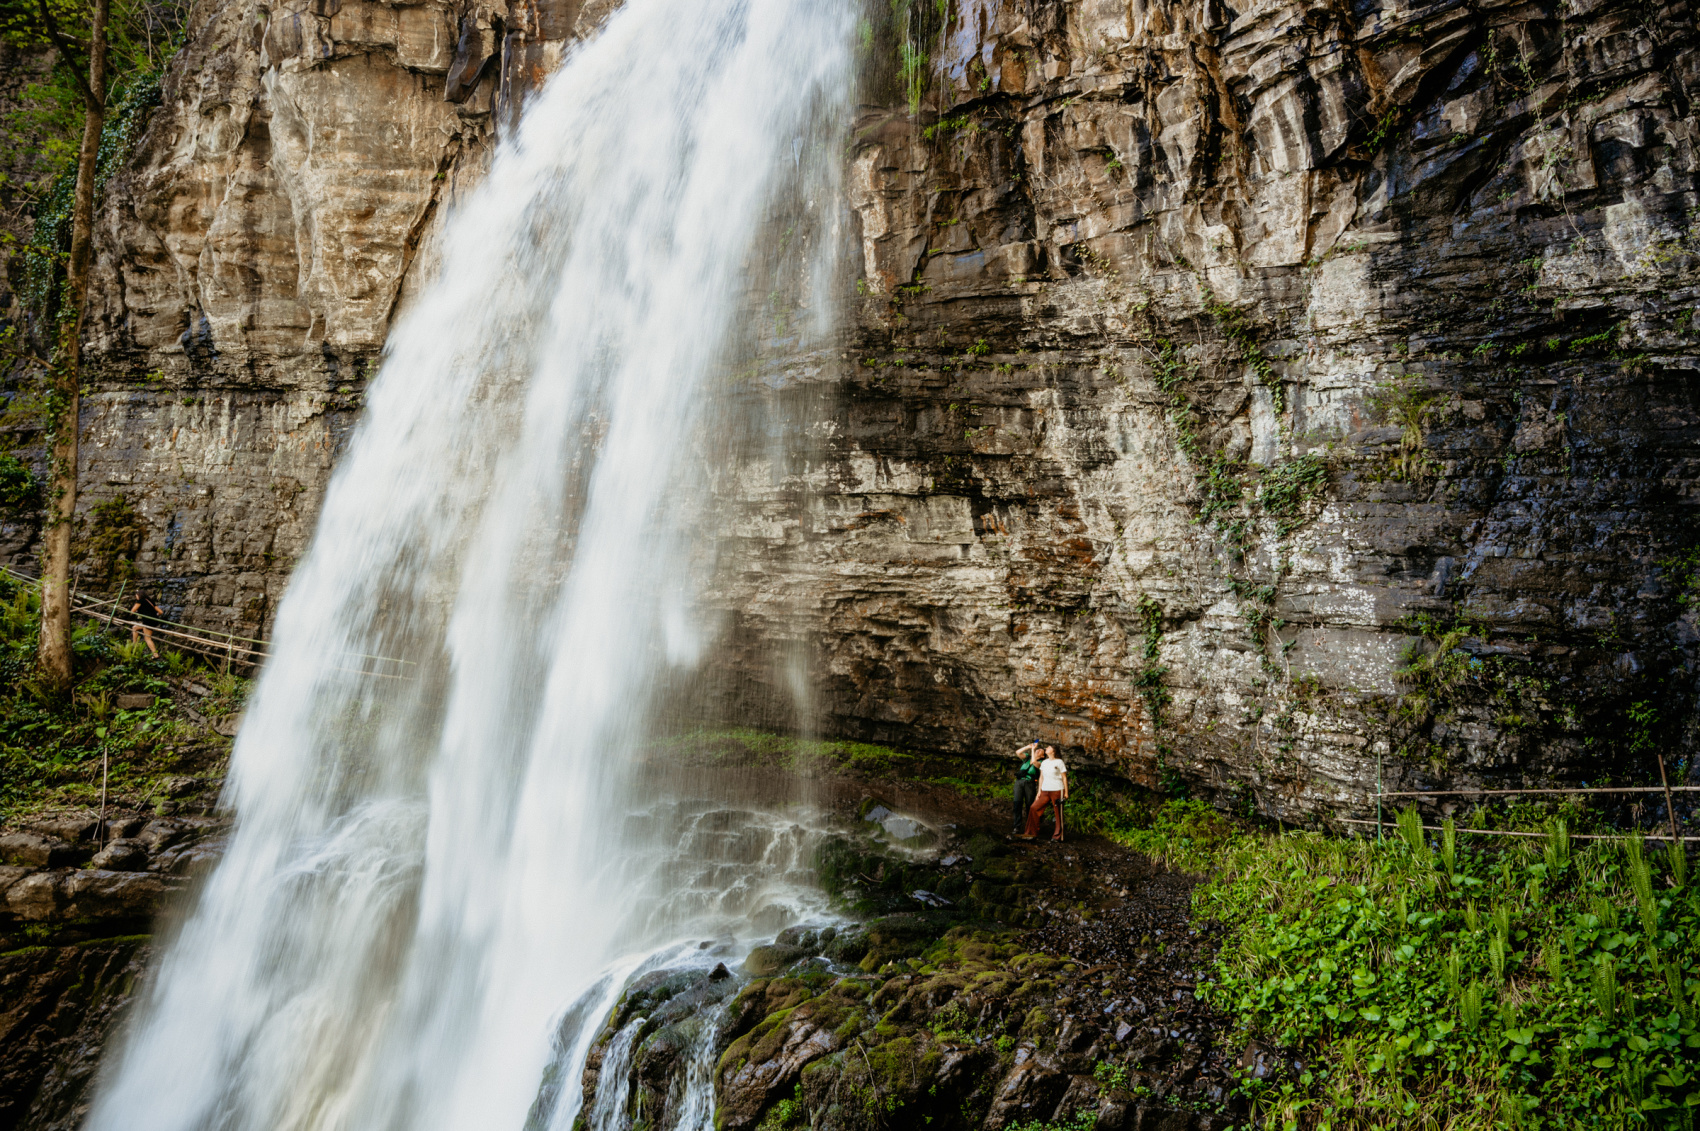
(1664, 788)
(209, 642)
(1518, 832)
(212, 643)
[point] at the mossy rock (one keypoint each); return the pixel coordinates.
(848, 946)
(895, 938)
(652, 990)
(765, 961)
(811, 939)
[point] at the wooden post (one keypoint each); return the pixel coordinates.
(1670, 810)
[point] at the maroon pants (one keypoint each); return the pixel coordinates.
(1053, 798)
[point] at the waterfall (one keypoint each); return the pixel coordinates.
(449, 842)
(611, 1099)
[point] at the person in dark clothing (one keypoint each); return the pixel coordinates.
(1053, 791)
(147, 615)
(1026, 783)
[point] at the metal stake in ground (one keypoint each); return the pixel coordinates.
(1670, 810)
(100, 835)
(1378, 797)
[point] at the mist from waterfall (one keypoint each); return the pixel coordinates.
(450, 852)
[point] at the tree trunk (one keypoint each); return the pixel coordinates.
(64, 376)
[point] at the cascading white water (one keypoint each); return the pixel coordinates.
(438, 852)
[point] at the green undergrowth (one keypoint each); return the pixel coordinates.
(977, 778)
(1443, 981)
(51, 742)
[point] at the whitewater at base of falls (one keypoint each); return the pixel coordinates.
(735, 874)
(449, 852)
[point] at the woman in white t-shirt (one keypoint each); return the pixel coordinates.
(1053, 791)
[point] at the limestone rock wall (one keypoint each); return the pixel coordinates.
(253, 250)
(1205, 366)
(1216, 365)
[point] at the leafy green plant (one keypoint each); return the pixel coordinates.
(1434, 666)
(1605, 988)
(1402, 402)
(1486, 978)
(1231, 320)
(1470, 1006)
(1410, 825)
(20, 490)
(1288, 486)
(1682, 576)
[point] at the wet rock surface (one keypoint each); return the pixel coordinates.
(74, 939)
(953, 1016)
(123, 882)
(58, 1007)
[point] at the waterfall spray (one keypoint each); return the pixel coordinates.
(438, 853)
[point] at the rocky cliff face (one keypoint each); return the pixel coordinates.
(1206, 367)
(253, 250)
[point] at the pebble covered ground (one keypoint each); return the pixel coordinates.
(1142, 959)
(1127, 1000)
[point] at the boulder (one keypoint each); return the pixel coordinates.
(67, 827)
(156, 835)
(114, 895)
(36, 897)
(189, 859)
(848, 946)
(40, 851)
(122, 856)
(1030, 1092)
(1081, 1095)
(765, 961)
(811, 939)
(1259, 1062)
(753, 1085)
(120, 828)
(9, 875)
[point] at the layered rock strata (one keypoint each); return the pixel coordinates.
(1202, 364)
(253, 250)
(1238, 396)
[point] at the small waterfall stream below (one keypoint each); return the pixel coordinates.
(452, 850)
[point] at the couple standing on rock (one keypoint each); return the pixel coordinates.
(1043, 774)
